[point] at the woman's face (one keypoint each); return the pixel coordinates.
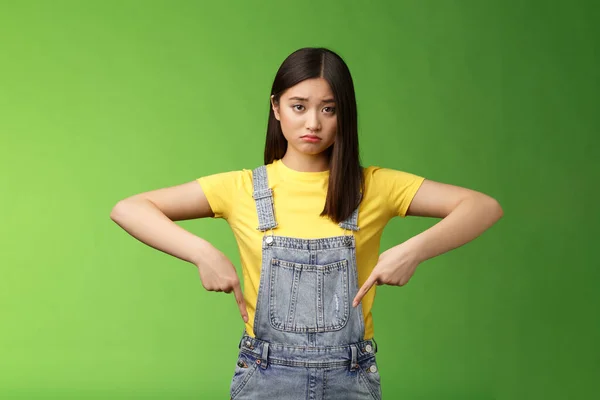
(307, 116)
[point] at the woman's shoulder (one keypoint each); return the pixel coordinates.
(228, 179)
(375, 174)
(243, 178)
(390, 189)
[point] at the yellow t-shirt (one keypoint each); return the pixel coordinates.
(299, 198)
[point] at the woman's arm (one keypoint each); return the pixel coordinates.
(149, 218)
(466, 215)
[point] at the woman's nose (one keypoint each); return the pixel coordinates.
(313, 122)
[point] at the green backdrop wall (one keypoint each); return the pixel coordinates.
(100, 100)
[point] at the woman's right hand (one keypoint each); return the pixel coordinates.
(218, 274)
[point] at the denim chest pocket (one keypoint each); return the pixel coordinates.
(309, 297)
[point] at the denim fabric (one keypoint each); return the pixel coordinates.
(309, 339)
(278, 371)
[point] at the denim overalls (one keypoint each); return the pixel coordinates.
(309, 339)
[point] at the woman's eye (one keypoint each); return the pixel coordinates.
(298, 107)
(330, 110)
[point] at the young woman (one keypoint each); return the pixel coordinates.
(308, 225)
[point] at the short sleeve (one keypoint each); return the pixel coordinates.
(220, 190)
(398, 188)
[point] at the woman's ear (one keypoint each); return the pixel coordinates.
(275, 106)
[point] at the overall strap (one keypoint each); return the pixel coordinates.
(351, 222)
(263, 197)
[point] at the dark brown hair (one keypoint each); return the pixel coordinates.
(345, 176)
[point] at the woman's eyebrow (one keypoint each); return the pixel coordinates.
(306, 99)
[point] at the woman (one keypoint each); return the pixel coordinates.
(308, 225)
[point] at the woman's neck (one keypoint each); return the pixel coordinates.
(306, 162)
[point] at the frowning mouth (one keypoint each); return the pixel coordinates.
(310, 138)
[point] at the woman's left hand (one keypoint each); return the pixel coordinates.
(395, 267)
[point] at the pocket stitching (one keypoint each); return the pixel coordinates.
(244, 380)
(373, 389)
(327, 268)
(368, 384)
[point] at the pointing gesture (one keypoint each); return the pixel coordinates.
(395, 267)
(218, 274)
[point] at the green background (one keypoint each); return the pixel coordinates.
(100, 100)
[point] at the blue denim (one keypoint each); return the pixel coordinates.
(309, 339)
